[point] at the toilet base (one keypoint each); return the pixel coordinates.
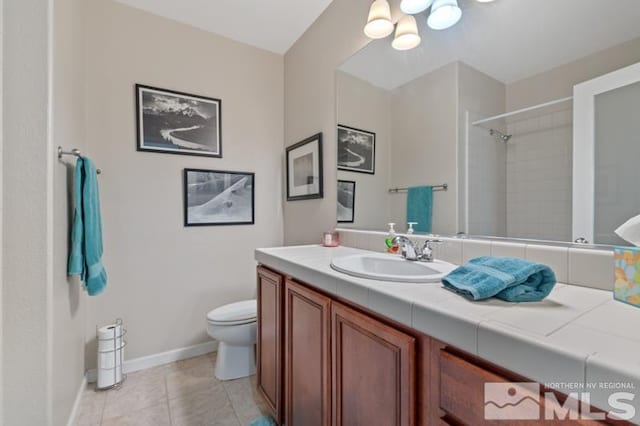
(234, 362)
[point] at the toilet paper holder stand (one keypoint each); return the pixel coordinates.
(117, 351)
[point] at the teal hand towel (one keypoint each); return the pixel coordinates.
(507, 278)
(85, 257)
(420, 207)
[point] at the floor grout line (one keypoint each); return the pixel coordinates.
(104, 405)
(166, 391)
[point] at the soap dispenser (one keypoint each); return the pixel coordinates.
(410, 225)
(391, 247)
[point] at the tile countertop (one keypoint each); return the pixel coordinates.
(576, 335)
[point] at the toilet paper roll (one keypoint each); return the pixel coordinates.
(109, 377)
(110, 354)
(110, 337)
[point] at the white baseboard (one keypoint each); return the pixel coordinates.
(76, 403)
(149, 361)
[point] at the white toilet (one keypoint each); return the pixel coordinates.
(234, 327)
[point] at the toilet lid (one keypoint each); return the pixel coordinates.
(238, 312)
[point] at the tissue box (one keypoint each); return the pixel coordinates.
(627, 275)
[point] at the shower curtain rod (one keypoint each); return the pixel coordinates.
(520, 111)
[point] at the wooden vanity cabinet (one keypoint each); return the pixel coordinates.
(269, 340)
(373, 371)
(323, 361)
(307, 356)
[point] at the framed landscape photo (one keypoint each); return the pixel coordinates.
(346, 201)
(213, 197)
(356, 150)
(178, 123)
(304, 169)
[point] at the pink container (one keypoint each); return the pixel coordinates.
(331, 239)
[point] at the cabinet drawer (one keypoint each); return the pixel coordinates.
(462, 388)
(462, 396)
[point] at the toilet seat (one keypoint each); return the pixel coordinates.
(238, 313)
(230, 323)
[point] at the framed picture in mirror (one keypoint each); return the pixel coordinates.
(304, 169)
(346, 201)
(356, 150)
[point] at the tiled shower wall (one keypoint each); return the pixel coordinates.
(539, 170)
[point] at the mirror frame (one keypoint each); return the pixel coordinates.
(584, 96)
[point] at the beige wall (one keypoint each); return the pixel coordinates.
(424, 152)
(68, 125)
(558, 82)
(364, 106)
(27, 165)
(163, 277)
(310, 106)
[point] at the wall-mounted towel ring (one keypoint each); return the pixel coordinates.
(75, 152)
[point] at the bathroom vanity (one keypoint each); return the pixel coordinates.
(340, 350)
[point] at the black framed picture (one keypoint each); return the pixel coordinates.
(213, 197)
(178, 123)
(356, 150)
(346, 201)
(304, 169)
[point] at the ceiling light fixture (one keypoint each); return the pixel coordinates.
(411, 7)
(379, 23)
(444, 14)
(407, 36)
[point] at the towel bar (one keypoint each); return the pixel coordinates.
(75, 152)
(443, 187)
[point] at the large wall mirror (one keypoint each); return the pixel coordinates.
(484, 113)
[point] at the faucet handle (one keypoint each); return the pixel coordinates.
(429, 241)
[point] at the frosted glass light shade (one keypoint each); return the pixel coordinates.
(444, 14)
(407, 36)
(379, 23)
(411, 7)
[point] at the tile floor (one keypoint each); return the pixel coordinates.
(183, 393)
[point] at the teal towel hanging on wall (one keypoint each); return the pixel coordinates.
(85, 257)
(420, 207)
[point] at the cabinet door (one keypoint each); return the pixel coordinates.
(307, 357)
(373, 371)
(269, 340)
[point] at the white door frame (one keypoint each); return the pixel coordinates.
(584, 95)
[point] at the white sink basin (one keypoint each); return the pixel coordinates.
(387, 267)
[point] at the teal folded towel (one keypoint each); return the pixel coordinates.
(420, 207)
(85, 257)
(507, 278)
(263, 421)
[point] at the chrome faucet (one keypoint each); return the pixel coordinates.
(410, 250)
